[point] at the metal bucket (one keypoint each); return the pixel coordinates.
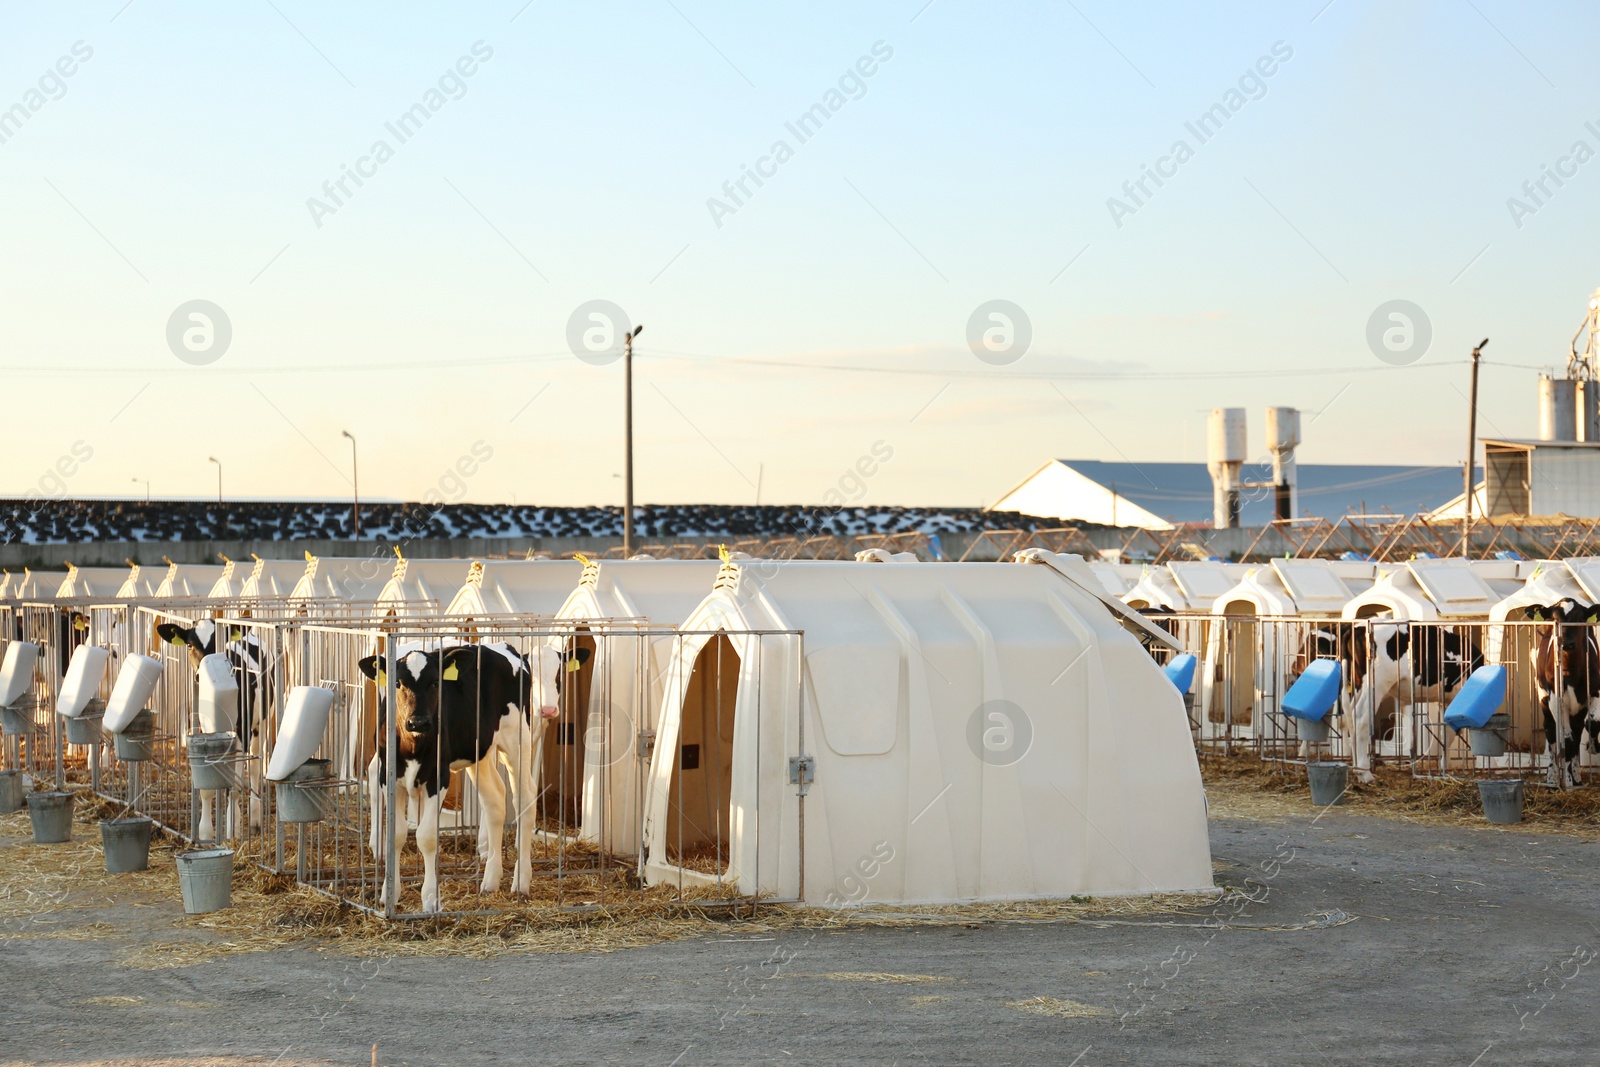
(138, 741)
(12, 788)
(1328, 782)
(126, 843)
(1311, 729)
(1491, 739)
(206, 878)
(84, 730)
(51, 814)
(209, 766)
(16, 723)
(1502, 799)
(304, 803)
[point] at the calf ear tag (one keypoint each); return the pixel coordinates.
(177, 642)
(451, 673)
(572, 666)
(383, 679)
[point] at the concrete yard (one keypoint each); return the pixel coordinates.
(1370, 940)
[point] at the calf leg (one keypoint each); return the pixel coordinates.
(485, 777)
(205, 829)
(515, 742)
(1361, 733)
(491, 821)
(1557, 743)
(374, 807)
(428, 845)
(398, 830)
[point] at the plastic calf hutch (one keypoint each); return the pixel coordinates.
(617, 693)
(938, 732)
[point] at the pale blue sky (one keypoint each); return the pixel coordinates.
(577, 163)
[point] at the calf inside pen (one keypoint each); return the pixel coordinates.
(457, 709)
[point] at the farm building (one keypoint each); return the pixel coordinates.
(1158, 496)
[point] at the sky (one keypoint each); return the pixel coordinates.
(799, 329)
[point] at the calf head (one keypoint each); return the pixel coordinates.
(547, 666)
(1573, 621)
(423, 682)
(200, 639)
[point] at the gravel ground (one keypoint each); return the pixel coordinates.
(1369, 941)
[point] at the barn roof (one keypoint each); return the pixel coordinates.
(1181, 492)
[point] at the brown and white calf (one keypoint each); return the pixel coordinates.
(1567, 658)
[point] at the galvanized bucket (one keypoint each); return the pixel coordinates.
(138, 741)
(1490, 740)
(1502, 799)
(1311, 729)
(11, 791)
(16, 723)
(126, 843)
(205, 877)
(304, 803)
(209, 767)
(84, 730)
(51, 814)
(1328, 781)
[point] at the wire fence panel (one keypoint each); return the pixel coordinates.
(1398, 678)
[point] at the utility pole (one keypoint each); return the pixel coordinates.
(218, 462)
(627, 441)
(355, 486)
(1472, 449)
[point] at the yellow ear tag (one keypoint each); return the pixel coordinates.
(177, 642)
(451, 673)
(572, 666)
(383, 679)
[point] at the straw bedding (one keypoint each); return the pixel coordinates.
(1249, 788)
(63, 892)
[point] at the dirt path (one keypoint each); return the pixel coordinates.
(1362, 940)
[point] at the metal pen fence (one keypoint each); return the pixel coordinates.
(1397, 677)
(711, 806)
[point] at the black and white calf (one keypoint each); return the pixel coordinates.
(1568, 653)
(1388, 670)
(255, 674)
(458, 709)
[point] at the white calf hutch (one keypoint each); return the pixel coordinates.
(617, 693)
(514, 587)
(940, 732)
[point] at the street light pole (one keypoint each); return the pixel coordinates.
(146, 482)
(218, 462)
(1472, 449)
(355, 485)
(627, 441)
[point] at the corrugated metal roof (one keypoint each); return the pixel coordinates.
(1181, 492)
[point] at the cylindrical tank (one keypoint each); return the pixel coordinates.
(1283, 436)
(1226, 436)
(1283, 429)
(1226, 448)
(1588, 411)
(1558, 409)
